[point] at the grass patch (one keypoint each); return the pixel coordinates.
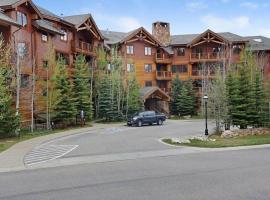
(226, 142)
(6, 143)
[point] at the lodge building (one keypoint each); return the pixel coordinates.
(156, 58)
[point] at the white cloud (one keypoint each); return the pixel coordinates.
(249, 5)
(196, 5)
(127, 23)
(226, 24)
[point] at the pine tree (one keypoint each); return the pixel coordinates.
(64, 108)
(82, 96)
(191, 94)
(9, 122)
(133, 103)
(176, 90)
(104, 98)
(184, 102)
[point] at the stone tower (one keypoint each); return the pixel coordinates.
(161, 31)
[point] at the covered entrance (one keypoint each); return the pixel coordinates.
(155, 99)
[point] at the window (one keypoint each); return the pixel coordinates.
(181, 52)
(148, 84)
(236, 49)
(22, 50)
(45, 64)
(148, 68)
(63, 56)
(44, 92)
(25, 80)
(148, 51)
(130, 50)
(181, 69)
(21, 18)
(64, 37)
(130, 68)
(44, 37)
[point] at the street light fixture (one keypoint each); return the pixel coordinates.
(205, 98)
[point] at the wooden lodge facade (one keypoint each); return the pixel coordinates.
(156, 58)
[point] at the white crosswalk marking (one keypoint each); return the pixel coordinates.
(46, 153)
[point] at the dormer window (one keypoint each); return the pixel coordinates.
(21, 18)
(64, 37)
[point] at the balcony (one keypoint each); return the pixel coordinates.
(83, 47)
(210, 56)
(163, 75)
(163, 59)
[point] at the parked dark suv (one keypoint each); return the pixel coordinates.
(148, 117)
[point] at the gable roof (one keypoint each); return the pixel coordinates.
(9, 4)
(187, 38)
(79, 20)
(147, 92)
(259, 43)
(46, 26)
(112, 37)
(8, 20)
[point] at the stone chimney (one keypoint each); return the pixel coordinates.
(161, 31)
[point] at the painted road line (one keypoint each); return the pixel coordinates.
(47, 153)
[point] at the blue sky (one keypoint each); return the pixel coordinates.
(244, 17)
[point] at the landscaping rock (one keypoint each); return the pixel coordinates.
(245, 132)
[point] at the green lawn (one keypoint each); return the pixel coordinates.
(226, 142)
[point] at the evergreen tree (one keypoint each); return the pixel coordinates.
(104, 98)
(184, 102)
(82, 96)
(64, 108)
(133, 103)
(191, 94)
(9, 122)
(176, 90)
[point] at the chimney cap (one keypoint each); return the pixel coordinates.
(161, 22)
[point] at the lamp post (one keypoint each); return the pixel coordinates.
(205, 98)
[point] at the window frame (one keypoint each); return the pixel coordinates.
(130, 50)
(21, 18)
(24, 83)
(148, 85)
(64, 37)
(43, 35)
(180, 53)
(147, 69)
(130, 67)
(148, 51)
(178, 69)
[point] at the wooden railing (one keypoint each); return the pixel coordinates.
(163, 75)
(206, 56)
(83, 47)
(162, 58)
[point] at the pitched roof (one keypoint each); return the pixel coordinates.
(47, 26)
(8, 2)
(48, 13)
(113, 37)
(7, 19)
(146, 92)
(186, 39)
(259, 43)
(77, 20)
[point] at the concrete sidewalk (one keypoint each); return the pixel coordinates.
(13, 158)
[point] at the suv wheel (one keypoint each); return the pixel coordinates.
(139, 124)
(160, 122)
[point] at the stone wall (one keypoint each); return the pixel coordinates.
(161, 31)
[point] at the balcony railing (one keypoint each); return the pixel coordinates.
(162, 58)
(207, 56)
(163, 75)
(83, 47)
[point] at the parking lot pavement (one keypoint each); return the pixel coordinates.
(123, 139)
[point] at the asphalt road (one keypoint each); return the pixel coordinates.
(123, 139)
(230, 175)
(118, 172)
